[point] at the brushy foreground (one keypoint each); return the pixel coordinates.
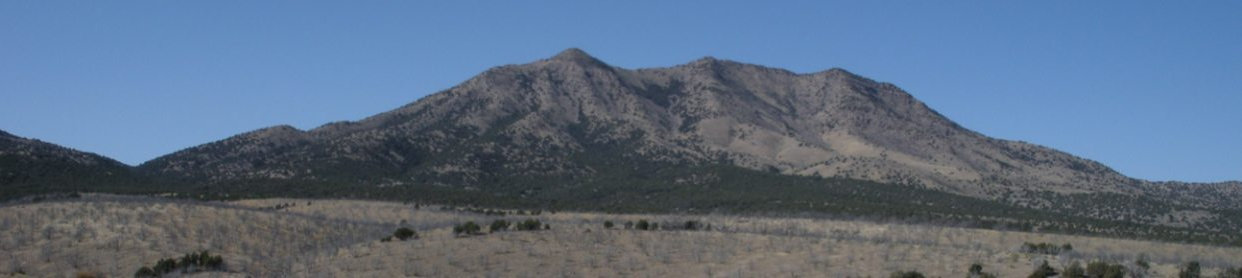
(114, 236)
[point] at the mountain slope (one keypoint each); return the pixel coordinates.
(573, 130)
(32, 166)
(830, 123)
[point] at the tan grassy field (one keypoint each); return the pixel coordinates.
(113, 236)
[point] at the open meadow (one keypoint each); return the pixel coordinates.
(115, 236)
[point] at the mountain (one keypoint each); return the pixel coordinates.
(575, 131)
(31, 166)
(528, 118)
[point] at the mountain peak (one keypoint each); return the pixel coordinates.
(575, 55)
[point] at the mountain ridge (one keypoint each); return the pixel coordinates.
(714, 71)
(30, 166)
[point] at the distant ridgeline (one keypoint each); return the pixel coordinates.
(710, 136)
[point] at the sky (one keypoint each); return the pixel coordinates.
(1150, 88)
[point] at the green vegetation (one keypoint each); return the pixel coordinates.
(1046, 248)
(1190, 270)
(906, 274)
(692, 225)
(529, 225)
(621, 182)
(1231, 273)
(1043, 271)
(608, 225)
(467, 229)
(498, 226)
(648, 188)
(1105, 270)
(976, 271)
(1074, 270)
(189, 263)
(404, 233)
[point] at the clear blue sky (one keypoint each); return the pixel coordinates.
(1151, 88)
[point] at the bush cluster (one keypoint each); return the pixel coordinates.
(1231, 273)
(404, 233)
(499, 225)
(192, 262)
(531, 225)
(644, 225)
(1043, 271)
(976, 271)
(1046, 248)
(906, 274)
(1101, 269)
(466, 229)
(470, 228)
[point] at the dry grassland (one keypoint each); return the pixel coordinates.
(115, 235)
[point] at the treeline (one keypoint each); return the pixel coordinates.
(638, 186)
(644, 225)
(1095, 269)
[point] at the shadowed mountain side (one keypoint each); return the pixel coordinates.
(29, 166)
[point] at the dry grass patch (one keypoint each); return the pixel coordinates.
(115, 235)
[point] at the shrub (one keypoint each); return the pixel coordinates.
(191, 262)
(165, 266)
(692, 225)
(1105, 270)
(1074, 270)
(607, 224)
(906, 274)
(976, 271)
(498, 225)
(404, 233)
(145, 272)
(1190, 270)
(529, 225)
(629, 225)
(1043, 271)
(468, 228)
(1231, 273)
